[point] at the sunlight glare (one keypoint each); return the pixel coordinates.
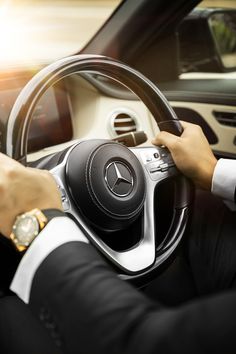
(13, 37)
(36, 32)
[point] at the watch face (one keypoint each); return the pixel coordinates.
(26, 228)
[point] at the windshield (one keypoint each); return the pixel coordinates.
(40, 31)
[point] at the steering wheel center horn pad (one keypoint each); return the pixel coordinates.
(106, 182)
(105, 186)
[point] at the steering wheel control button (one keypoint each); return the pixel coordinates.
(119, 178)
(154, 167)
(164, 167)
(152, 155)
(153, 170)
(156, 155)
(106, 182)
(148, 158)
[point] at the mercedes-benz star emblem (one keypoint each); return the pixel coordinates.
(119, 178)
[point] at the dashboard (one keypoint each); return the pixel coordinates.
(89, 106)
(74, 108)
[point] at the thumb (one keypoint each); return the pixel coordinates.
(166, 139)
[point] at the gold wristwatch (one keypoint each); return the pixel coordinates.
(26, 227)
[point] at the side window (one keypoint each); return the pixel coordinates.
(207, 39)
(223, 27)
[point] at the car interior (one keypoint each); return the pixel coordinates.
(89, 116)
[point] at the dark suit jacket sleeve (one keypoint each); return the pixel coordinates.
(88, 310)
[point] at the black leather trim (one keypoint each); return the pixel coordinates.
(213, 91)
(52, 213)
(226, 155)
(203, 97)
(192, 116)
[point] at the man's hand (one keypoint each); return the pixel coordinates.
(191, 153)
(23, 189)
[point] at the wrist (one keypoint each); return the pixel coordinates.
(206, 176)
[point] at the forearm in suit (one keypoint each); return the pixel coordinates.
(93, 311)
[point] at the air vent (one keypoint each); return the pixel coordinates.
(226, 118)
(123, 121)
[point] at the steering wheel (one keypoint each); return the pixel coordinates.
(105, 186)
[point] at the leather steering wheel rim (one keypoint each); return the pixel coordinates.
(21, 113)
(17, 136)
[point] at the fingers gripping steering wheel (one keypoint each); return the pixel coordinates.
(106, 186)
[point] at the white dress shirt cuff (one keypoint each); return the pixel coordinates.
(224, 179)
(58, 231)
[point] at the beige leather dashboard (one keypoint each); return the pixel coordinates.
(92, 115)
